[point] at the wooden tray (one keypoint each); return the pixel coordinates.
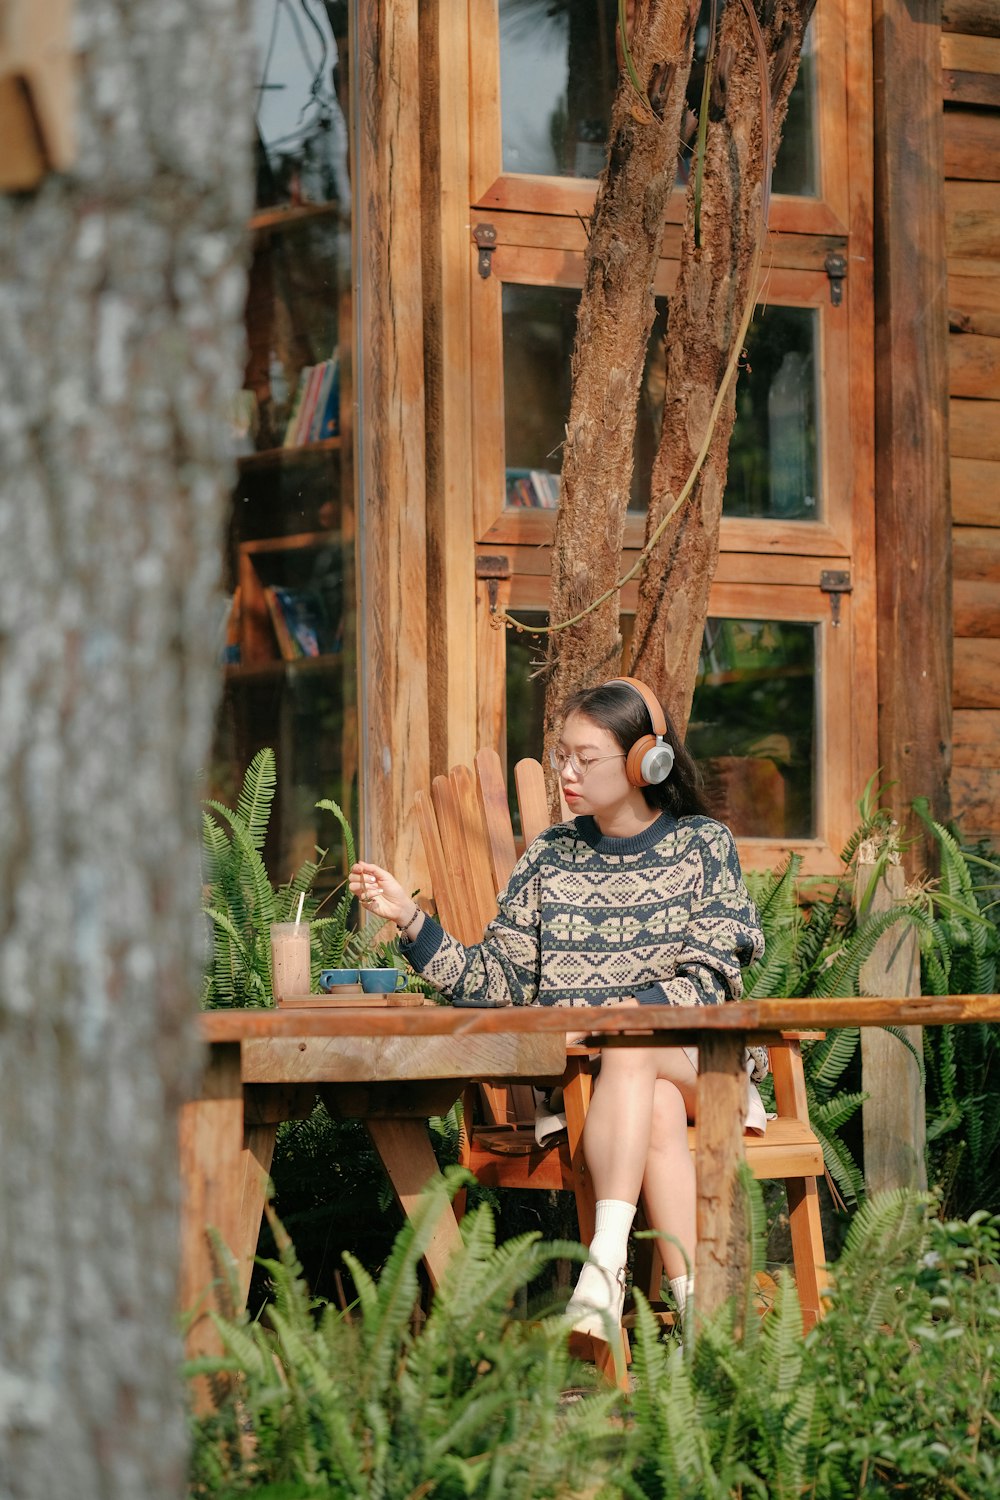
(352, 996)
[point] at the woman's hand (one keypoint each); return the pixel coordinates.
(380, 893)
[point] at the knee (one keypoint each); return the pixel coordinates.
(669, 1119)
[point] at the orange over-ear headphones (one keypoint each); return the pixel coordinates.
(651, 758)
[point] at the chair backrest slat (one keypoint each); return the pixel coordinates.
(482, 896)
(529, 780)
(462, 921)
(496, 817)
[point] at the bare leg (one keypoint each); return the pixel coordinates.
(668, 1187)
(619, 1129)
(636, 1132)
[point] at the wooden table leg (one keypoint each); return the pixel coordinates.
(722, 1257)
(405, 1150)
(211, 1167)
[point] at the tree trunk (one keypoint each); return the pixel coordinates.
(706, 309)
(120, 353)
(615, 318)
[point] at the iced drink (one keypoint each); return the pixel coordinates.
(290, 959)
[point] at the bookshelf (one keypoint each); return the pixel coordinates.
(289, 663)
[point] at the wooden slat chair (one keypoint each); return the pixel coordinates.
(469, 842)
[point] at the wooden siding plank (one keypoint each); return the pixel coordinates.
(970, 54)
(977, 17)
(976, 607)
(975, 492)
(974, 429)
(977, 737)
(977, 674)
(972, 218)
(973, 365)
(970, 88)
(971, 145)
(976, 799)
(976, 553)
(974, 296)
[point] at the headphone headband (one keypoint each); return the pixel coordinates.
(656, 715)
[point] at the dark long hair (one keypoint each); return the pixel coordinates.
(620, 710)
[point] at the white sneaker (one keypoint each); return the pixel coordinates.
(595, 1307)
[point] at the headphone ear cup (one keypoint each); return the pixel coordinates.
(657, 763)
(635, 759)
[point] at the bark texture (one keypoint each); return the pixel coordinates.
(615, 318)
(705, 313)
(121, 299)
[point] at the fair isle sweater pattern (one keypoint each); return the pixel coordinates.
(587, 920)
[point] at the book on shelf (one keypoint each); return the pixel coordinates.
(292, 426)
(326, 419)
(316, 404)
(532, 489)
(301, 623)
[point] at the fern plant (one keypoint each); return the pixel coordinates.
(241, 903)
(361, 1405)
(959, 948)
(892, 1393)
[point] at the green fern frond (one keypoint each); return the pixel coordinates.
(253, 806)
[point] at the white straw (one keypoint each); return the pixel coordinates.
(298, 914)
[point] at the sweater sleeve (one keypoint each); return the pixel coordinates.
(504, 968)
(722, 935)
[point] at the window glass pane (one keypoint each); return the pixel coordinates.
(558, 74)
(773, 461)
(525, 700)
(289, 651)
(753, 725)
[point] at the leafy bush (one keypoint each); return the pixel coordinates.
(361, 1406)
(893, 1394)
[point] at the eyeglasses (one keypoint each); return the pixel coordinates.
(578, 764)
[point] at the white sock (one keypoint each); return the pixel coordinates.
(682, 1288)
(612, 1224)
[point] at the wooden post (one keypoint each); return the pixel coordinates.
(912, 507)
(895, 1133)
(722, 1259)
(395, 735)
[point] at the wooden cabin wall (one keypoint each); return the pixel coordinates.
(970, 53)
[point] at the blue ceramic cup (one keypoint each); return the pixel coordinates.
(382, 981)
(329, 978)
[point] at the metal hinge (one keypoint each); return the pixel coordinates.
(492, 569)
(835, 584)
(835, 267)
(485, 236)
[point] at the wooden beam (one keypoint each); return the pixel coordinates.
(451, 588)
(395, 738)
(972, 218)
(971, 145)
(893, 1117)
(977, 737)
(977, 613)
(975, 491)
(913, 539)
(977, 673)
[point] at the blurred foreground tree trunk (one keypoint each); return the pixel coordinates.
(122, 290)
(616, 315)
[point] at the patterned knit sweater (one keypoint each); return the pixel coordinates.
(663, 917)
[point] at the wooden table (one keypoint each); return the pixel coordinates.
(263, 1067)
(394, 1067)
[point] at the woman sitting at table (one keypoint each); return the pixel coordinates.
(638, 900)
